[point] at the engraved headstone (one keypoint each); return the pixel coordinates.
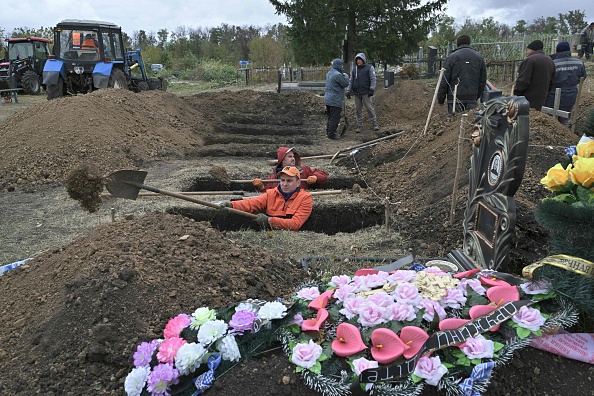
(500, 144)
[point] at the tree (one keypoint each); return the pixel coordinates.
(47, 33)
(444, 33)
(574, 21)
(162, 36)
(520, 26)
(384, 29)
(265, 52)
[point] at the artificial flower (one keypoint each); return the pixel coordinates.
(340, 280)
(247, 306)
(229, 349)
(201, 316)
(272, 310)
(175, 325)
(322, 300)
(400, 312)
(362, 364)
(432, 308)
(371, 314)
(306, 355)
(381, 299)
(344, 292)
(454, 298)
(314, 324)
(582, 172)
(387, 346)
(144, 353)
(189, 357)
(308, 293)
(402, 276)
(407, 293)
(161, 378)
(136, 380)
(536, 287)
(348, 340)
(211, 331)
(558, 179)
(351, 306)
(168, 349)
(431, 369)
(529, 318)
(585, 150)
(242, 320)
(478, 348)
(474, 284)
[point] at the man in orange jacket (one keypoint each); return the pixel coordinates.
(286, 207)
(290, 157)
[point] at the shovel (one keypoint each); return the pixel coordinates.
(128, 183)
(369, 143)
(346, 120)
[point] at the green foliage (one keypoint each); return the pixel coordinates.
(215, 71)
(410, 71)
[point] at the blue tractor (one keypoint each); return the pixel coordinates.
(90, 55)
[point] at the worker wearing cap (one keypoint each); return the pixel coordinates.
(285, 207)
(286, 156)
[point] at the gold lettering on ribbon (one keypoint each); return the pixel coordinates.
(569, 263)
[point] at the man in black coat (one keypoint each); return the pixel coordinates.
(466, 68)
(536, 76)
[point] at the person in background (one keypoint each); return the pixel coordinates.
(536, 76)
(362, 85)
(568, 71)
(336, 82)
(586, 41)
(466, 68)
(290, 157)
(285, 207)
(90, 42)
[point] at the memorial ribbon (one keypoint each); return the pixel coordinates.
(569, 263)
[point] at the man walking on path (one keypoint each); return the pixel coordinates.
(362, 85)
(466, 68)
(586, 41)
(568, 71)
(536, 76)
(336, 82)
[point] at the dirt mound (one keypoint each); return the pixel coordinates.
(111, 129)
(80, 311)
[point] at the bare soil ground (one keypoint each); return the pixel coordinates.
(73, 315)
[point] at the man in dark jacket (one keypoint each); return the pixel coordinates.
(362, 85)
(336, 82)
(466, 68)
(536, 76)
(568, 71)
(586, 41)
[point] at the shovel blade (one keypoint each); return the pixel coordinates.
(125, 183)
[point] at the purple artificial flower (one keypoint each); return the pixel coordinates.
(344, 292)
(474, 284)
(401, 312)
(454, 298)
(161, 378)
(144, 353)
(478, 347)
(432, 308)
(242, 320)
(407, 293)
(536, 287)
(529, 318)
(381, 299)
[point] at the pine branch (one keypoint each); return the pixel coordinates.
(406, 388)
(325, 385)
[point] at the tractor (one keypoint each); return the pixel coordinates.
(90, 55)
(23, 64)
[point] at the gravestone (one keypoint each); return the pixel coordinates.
(500, 144)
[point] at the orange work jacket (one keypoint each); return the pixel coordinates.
(284, 215)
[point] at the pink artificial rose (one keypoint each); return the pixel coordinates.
(401, 312)
(474, 284)
(435, 271)
(243, 320)
(376, 280)
(340, 280)
(344, 292)
(478, 347)
(402, 276)
(536, 287)
(407, 293)
(360, 284)
(298, 319)
(308, 293)
(351, 306)
(168, 349)
(454, 298)
(431, 369)
(175, 325)
(362, 364)
(371, 315)
(306, 355)
(381, 299)
(431, 309)
(529, 318)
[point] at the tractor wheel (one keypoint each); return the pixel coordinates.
(55, 90)
(142, 86)
(117, 80)
(30, 83)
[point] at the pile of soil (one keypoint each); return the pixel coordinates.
(74, 315)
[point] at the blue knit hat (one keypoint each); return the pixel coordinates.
(563, 46)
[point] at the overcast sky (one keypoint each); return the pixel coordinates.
(153, 15)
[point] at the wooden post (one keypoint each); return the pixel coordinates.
(455, 98)
(434, 99)
(458, 166)
(387, 213)
(577, 103)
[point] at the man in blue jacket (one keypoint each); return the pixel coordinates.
(362, 85)
(336, 82)
(466, 68)
(568, 71)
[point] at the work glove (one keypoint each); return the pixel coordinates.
(371, 92)
(312, 179)
(262, 220)
(257, 182)
(348, 95)
(224, 204)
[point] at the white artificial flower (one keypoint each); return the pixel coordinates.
(136, 380)
(272, 310)
(201, 316)
(229, 349)
(245, 306)
(189, 357)
(211, 331)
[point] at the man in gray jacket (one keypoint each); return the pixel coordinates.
(586, 41)
(466, 68)
(336, 82)
(362, 85)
